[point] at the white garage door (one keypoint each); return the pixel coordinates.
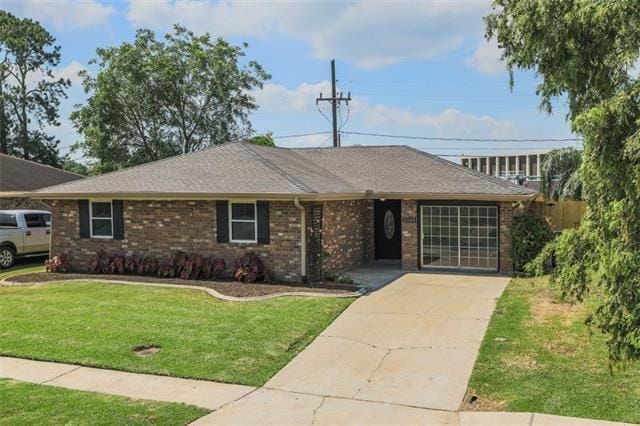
(460, 237)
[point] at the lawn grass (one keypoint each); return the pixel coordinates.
(26, 403)
(551, 362)
(26, 266)
(200, 337)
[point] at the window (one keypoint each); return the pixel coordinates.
(47, 219)
(101, 219)
(8, 220)
(243, 222)
(34, 220)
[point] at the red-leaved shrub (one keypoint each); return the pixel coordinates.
(58, 264)
(249, 268)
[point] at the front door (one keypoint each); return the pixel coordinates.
(387, 229)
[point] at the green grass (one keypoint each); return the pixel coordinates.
(551, 362)
(25, 403)
(24, 267)
(200, 336)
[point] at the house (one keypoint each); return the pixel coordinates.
(18, 177)
(302, 210)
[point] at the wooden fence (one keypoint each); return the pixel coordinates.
(560, 214)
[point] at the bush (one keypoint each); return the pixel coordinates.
(340, 278)
(529, 234)
(250, 268)
(179, 265)
(58, 264)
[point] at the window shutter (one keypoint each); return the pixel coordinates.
(83, 209)
(118, 219)
(263, 222)
(222, 221)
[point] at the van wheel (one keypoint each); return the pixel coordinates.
(7, 257)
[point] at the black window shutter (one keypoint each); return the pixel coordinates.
(83, 209)
(222, 220)
(118, 219)
(263, 222)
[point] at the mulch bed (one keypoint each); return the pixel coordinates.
(228, 288)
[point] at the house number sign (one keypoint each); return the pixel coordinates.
(409, 219)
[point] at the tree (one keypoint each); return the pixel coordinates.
(585, 51)
(264, 140)
(29, 91)
(560, 174)
(74, 166)
(153, 99)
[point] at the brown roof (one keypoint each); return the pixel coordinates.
(241, 169)
(18, 175)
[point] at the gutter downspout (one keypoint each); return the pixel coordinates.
(303, 239)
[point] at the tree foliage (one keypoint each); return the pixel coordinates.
(264, 140)
(530, 233)
(153, 99)
(30, 93)
(560, 177)
(586, 50)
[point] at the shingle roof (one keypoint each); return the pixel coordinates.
(245, 169)
(18, 175)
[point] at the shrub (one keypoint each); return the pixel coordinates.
(58, 264)
(178, 265)
(249, 268)
(340, 278)
(529, 234)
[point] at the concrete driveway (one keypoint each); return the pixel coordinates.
(402, 354)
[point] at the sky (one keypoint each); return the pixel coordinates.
(418, 68)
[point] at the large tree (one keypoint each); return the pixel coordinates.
(586, 51)
(30, 93)
(560, 174)
(152, 99)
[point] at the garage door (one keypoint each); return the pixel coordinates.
(460, 237)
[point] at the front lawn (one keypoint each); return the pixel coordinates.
(199, 336)
(23, 266)
(550, 362)
(26, 403)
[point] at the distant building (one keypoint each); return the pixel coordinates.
(515, 167)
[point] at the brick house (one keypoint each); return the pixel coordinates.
(19, 176)
(303, 210)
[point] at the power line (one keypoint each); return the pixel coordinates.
(300, 135)
(429, 138)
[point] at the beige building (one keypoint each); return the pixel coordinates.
(507, 166)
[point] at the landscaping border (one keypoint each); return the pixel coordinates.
(6, 282)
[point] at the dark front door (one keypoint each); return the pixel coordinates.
(387, 229)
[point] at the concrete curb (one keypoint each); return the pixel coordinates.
(5, 282)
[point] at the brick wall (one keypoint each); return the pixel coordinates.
(159, 228)
(409, 209)
(347, 234)
(506, 221)
(20, 203)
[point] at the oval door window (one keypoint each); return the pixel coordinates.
(389, 225)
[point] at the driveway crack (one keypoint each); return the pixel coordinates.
(313, 419)
(375, 370)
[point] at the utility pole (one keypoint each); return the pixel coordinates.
(335, 100)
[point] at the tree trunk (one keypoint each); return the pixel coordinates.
(4, 123)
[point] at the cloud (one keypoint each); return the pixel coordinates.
(486, 58)
(70, 71)
(62, 14)
(364, 115)
(368, 32)
(277, 98)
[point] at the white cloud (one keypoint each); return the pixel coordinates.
(368, 32)
(486, 58)
(62, 14)
(446, 123)
(70, 71)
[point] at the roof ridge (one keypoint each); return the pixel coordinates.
(137, 166)
(501, 182)
(57, 169)
(270, 164)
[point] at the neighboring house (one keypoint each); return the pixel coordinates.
(18, 177)
(302, 210)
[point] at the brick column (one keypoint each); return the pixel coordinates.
(506, 220)
(409, 213)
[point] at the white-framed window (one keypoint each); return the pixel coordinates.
(243, 226)
(101, 219)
